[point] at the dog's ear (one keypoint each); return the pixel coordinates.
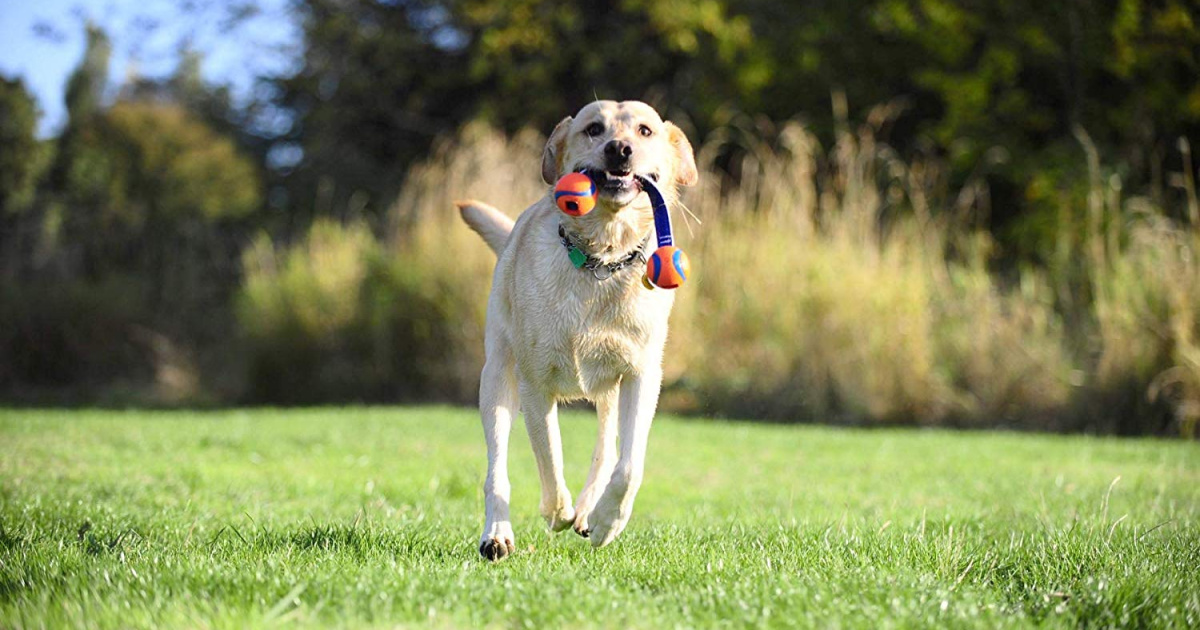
(554, 149)
(685, 159)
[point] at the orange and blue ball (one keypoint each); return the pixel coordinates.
(668, 267)
(575, 194)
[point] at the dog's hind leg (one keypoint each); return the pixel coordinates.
(604, 458)
(541, 422)
(497, 405)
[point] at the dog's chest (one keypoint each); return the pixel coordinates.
(592, 333)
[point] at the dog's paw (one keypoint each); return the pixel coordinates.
(614, 507)
(606, 522)
(497, 542)
(581, 524)
(560, 518)
(584, 508)
(495, 549)
(603, 533)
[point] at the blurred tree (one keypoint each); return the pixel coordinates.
(179, 180)
(134, 181)
(87, 84)
(21, 163)
(84, 100)
(174, 167)
(80, 183)
(371, 92)
(1024, 75)
(1155, 56)
(380, 80)
(211, 104)
(187, 88)
(538, 61)
(810, 50)
(19, 150)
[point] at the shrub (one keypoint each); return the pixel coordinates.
(88, 341)
(337, 318)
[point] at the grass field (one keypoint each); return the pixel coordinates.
(370, 517)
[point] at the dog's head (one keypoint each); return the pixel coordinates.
(616, 142)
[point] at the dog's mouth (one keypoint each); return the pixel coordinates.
(618, 182)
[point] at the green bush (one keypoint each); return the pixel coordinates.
(337, 317)
(73, 336)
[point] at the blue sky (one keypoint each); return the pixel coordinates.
(42, 41)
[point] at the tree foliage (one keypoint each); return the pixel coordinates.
(143, 173)
(378, 80)
(143, 183)
(173, 167)
(87, 84)
(20, 152)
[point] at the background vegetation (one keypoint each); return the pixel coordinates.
(917, 212)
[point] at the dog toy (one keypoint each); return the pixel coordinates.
(575, 194)
(668, 266)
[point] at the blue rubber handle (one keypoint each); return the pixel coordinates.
(662, 219)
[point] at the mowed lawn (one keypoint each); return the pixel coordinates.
(371, 517)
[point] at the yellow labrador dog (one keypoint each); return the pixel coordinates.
(557, 331)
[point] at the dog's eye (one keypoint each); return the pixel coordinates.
(645, 131)
(594, 130)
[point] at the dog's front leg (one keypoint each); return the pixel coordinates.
(638, 400)
(604, 458)
(541, 421)
(497, 405)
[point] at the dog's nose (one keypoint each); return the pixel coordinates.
(617, 150)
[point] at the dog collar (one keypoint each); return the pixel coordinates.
(601, 271)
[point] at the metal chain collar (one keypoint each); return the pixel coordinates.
(601, 271)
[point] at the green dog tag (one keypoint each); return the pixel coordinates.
(577, 257)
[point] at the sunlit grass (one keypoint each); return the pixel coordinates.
(370, 517)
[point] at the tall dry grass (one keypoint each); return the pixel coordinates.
(826, 292)
(836, 284)
(1142, 268)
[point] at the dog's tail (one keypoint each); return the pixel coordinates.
(494, 226)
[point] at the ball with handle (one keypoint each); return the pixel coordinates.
(575, 194)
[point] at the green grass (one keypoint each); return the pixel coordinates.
(370, 517)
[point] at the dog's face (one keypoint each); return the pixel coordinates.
(616, 141)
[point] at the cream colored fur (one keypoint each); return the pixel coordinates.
(556, 333)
